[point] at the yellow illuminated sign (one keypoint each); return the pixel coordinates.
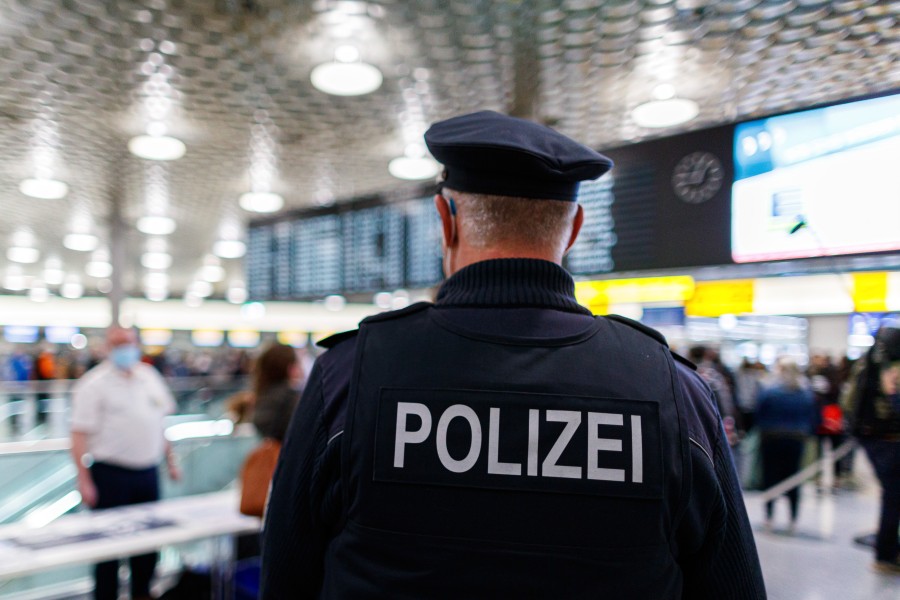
(717, 298)
(599, 295)
(870, 292)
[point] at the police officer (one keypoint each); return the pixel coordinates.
(503, 442)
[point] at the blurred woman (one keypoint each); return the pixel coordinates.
(275, 376)
(785, 414)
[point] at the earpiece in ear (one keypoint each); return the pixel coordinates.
(452, 205)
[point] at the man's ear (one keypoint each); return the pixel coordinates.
(448, 221)
(576, 228)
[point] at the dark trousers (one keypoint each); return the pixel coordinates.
(118, 486)
(885, 458)
(781, 459)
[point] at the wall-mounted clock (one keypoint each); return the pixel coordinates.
(697, 177)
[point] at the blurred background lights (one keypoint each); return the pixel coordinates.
(23, 254)
(665, 113)
(156, 260)
(253, 310)
(156, 225)
(335, 302)
(44, 189)
(261, 202)
(229, 248)
(236, 293)
(346, 75)
(79, 341)
(157, 147)
(72, 288)
(81, 242)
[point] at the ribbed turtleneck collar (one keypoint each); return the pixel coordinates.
(521, 282)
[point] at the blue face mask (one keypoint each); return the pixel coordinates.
(125, 356)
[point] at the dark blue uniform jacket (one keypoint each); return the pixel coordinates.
(478, 490)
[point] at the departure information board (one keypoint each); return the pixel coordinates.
(424, 264)
(347, 250)
(373, 248)
(317, 256)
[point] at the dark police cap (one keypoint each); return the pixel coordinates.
(489, 153)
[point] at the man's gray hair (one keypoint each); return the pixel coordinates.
(488, 220)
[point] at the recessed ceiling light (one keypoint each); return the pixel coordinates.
(156, 225)
(81, 242)
(202, 289)
(236, 294)
(72, 288)
(156, 260)
(665, 113)
(229, 248)
(24, 255)
(45, 189)
(261, 202)
(39, 292)
(156, 280)
(157, 147)
(212, 273)
(193, 300)
(407, 167)
(345, 76)
(98, 269)
(14, 280)
(53, 273)
(156, 294)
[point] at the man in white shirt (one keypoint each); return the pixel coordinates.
(118, 442)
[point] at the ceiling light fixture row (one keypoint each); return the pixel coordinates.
(44, 155)
(263, 166)
(158, 98)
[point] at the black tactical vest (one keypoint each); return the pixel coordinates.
(486, 467)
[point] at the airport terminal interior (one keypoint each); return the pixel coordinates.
(226, 175)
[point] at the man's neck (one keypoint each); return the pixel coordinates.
(468, 256)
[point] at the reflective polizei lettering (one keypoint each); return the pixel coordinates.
(407, 435)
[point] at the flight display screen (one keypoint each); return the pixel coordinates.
(817, 183)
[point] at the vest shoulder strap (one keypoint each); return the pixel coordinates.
(397, 314)
(649, 331)
(333, 340)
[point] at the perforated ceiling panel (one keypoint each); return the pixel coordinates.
(231, 79)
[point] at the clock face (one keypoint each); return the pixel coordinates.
(697, 177)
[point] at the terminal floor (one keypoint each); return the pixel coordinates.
(820, 560)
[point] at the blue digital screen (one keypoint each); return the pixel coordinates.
(820, 182)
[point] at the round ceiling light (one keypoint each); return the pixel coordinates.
(212, 273)
(156, 260)
(72, 288)
(665, 113)
(203, 289)
(408, 167)
(157, 147)
(81, 242)
(156, 281)
(156, 225)
(236, 294)
(156, 294)
(23, 255)
(229, 248)
(15, 279)
(346, 78)
(261, 202)
(98, 269)
(45, 189)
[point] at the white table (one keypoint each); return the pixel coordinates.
(91, 537)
